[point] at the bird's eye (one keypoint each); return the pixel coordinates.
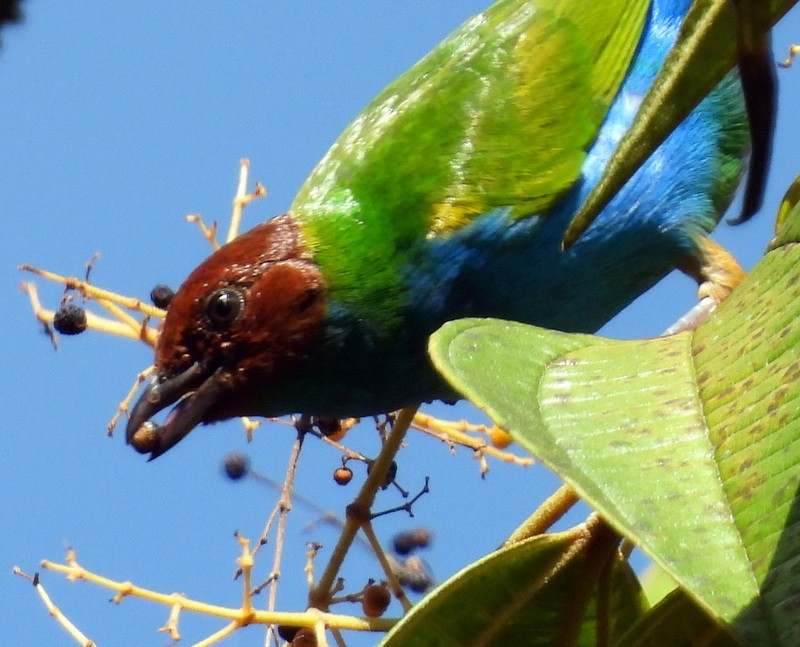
(223, 307)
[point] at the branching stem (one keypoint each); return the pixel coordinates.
(359, 510)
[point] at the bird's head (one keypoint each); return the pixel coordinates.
(242, 317)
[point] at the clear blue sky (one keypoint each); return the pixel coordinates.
(119, 119)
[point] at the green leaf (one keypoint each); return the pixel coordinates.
(620, 422)
(521, 595)
(748, 367)
(677, 621)
(787, 224)
(656, 583)
(687, 444)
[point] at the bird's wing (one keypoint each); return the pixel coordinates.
(501, 113)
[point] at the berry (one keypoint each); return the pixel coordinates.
(415, 575)
(287, 632)
(70, 319)
(236, 465)
(342, 475)
(409, 540)
(376, 600)
(390, 475)
(161, 295)
(305, 637)
(500, 437)
(331, 428)
(417, 581)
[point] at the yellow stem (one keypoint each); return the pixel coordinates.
(297, 619)
(93, 321)
(209, 233)
(459, 437)
(361, 505)
(89, 290)
(391, 576)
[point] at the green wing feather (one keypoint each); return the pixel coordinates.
(501, 113)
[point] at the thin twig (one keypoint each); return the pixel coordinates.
(245, 561)
(55, 612)
(319, 628)
(123, 589)
(284, 505)
(93, 292)
(238, 204)
(311, 553)
(122, 407)
(391, 576)
(140, 328)
(242, 198)
(693, 318)
(214, 638)
(794, 50)
(359, 510)
(93, 321)
(209, 233)
(350, 453)
(407, 505)
(171, 626)
(337, 636)
(452, 432)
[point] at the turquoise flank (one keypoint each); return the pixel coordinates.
(501, 265)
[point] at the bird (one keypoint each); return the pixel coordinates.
(448, 197)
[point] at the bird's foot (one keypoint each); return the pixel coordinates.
(692, 319)
(719, 273)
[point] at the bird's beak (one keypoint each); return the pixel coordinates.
(196, 390)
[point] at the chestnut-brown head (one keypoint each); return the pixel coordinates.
(248, 312)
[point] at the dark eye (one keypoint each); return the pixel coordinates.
(223, 307)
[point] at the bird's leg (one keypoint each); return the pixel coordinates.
(717, 274)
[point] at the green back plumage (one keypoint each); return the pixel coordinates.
(501, 113)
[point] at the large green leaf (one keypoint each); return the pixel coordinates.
(687, 444)
(521, 595)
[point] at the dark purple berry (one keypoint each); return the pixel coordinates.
(414, 574)
(390, 475)
(70, 319)
(417, 581)
(287, 632)
(305, 637)
(161, 295)
(409, 540)
(236, 465)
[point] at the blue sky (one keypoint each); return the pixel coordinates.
(119, 119)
